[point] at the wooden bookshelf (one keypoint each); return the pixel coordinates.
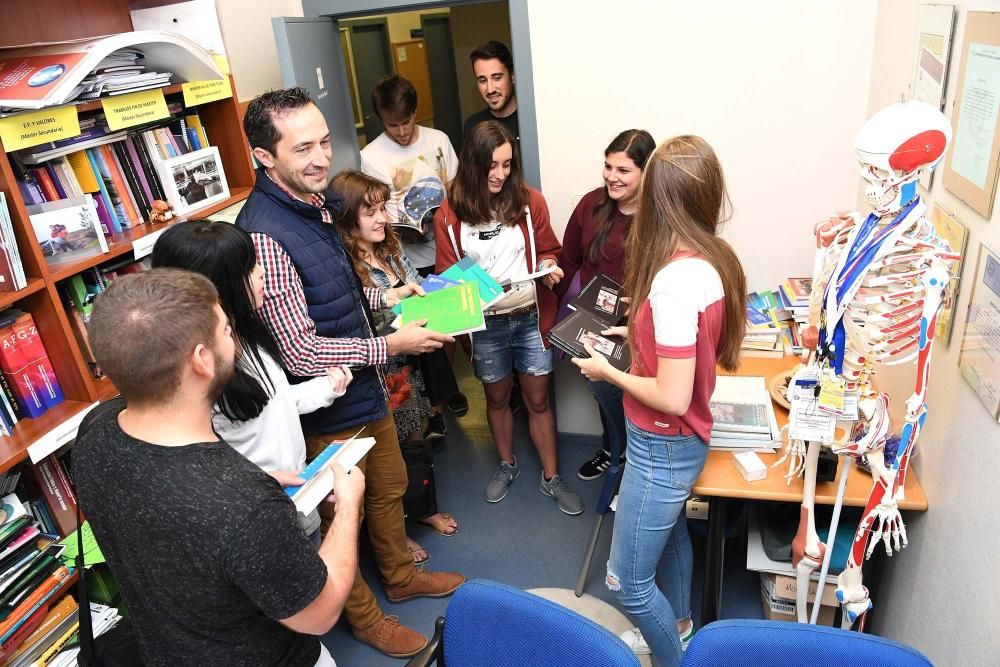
(40, 297)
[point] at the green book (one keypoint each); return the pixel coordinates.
(453, 310)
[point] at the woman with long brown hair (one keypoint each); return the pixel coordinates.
(494, 218)
(689, 294)
(377, 253)
(594, 242)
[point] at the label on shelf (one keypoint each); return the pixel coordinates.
(144, 246)
(221, 62)
(31, 129)
(138, 108)
(59, 436)
(202, 92)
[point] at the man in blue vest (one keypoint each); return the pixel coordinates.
(321, 317)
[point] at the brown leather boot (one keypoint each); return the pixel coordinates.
(389, 636)
(427, 585)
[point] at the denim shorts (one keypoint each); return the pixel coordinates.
(510, 343)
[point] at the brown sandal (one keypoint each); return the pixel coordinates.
(413, 549)
(447, 517)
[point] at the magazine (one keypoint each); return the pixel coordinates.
(584, 327)
(34, 76)
(602, 298)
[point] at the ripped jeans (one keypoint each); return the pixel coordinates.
(510, 342)
(650, 527)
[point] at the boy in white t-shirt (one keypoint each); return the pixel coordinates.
(416, 162)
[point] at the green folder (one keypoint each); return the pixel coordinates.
(454, 310)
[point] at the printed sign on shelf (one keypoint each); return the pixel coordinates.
(39, 127)
(135, 108)
(202, 92)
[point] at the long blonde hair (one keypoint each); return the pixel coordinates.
(682, 203)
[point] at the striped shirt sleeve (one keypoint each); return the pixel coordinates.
(304, 352)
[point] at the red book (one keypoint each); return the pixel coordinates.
(37, 598)
(39, 366)
(30, 625)
(45, 181)
(16, 369)
(53, 484)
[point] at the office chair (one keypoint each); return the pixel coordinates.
(752, 643)
(488, 624)
(609, 487)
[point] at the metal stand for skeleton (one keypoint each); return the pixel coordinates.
(878, 285)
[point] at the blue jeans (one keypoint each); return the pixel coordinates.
(649, 525)
(510, 342)
(609, 401)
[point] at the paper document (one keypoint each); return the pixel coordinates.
(532, 276)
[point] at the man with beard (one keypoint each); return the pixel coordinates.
(206, 546)
(320, 316)
(493, 67)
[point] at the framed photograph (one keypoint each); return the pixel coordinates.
(194, 180)
(979, 359)
(948, 227)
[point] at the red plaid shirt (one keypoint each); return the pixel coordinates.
(286, 312)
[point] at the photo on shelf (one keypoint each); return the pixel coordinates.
(194, 180)
(68, 229)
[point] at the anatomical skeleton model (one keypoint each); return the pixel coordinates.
(878, 284)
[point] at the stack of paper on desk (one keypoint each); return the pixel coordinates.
(743, 414)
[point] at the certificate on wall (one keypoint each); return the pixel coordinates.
(971, 167)
(936, 25)
(954, 232)
(979, 360)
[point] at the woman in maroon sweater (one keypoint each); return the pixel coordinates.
(594, 243)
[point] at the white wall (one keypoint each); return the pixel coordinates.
(937, 593)
(246, 29)
(779, 89)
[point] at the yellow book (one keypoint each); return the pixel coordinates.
(194, 121)
(84, 174)
(56, 648)
(56, 615)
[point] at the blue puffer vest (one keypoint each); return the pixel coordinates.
(332, 290)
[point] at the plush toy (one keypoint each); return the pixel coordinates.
(162, 212)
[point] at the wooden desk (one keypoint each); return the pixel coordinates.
(721, 481)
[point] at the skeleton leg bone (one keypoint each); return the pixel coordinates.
(807, 550)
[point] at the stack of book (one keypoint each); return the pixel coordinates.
(743, 415)
(122, 71)
(29, 384)
(34, 623)
(763, 334)
(124, 172)
(598, 307)
(793, 298)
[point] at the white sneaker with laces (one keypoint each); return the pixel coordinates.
(634, 640)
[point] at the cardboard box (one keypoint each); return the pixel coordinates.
(783, 610)
(750, 466)
(784, 587)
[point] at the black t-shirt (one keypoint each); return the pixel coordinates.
(510, 122)
(205, 546)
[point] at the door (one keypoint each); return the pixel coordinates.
(441, 67)
(372, 62)
(316, 63)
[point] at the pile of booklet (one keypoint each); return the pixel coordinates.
(598, 307)
(743, 414)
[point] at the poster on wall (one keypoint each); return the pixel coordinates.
(936, 24)
(954, 232)
(979, 359)
(972, 162)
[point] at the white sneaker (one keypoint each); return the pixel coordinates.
(634, 640)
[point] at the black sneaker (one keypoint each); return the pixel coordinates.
(437, 428)
(596, 466)
(458, 404)
(515, 400)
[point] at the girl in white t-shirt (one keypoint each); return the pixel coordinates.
(492, 217)
(258, 412)
(688, 293)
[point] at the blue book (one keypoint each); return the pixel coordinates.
(317, 478)
(193, 139)
(315, 466)
(432, 283)
(105, 197)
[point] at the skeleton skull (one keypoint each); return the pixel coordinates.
(895, 147)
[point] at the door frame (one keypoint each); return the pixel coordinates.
(440, 16)
(387, 60)
(340, 10)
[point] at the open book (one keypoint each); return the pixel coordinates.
(598, 306)
(319, 475)
(39, 75)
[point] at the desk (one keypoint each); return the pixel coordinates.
(721, 481)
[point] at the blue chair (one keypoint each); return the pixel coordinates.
(752, 643)
(488, 624)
